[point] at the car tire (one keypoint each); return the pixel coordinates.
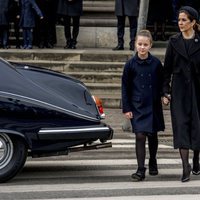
(13, 154)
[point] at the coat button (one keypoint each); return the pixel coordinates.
(150, 86)
(149, 75)
(142, 86)
(141, 74)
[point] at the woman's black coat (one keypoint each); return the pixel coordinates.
(183, 67)
(126, 7)
(70, 7)
(141, 93)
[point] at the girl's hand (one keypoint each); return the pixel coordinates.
(165, 101)
(129, 115)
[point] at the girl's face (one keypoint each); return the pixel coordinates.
(184, 23)
(143, 45)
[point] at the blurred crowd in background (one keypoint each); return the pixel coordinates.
(37, 19)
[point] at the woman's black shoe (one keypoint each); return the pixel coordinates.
(68, 46)
(186, 174)
(139, 175)
(153, 168)
(118, 47)
(73, 46)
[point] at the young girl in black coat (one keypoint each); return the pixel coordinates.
(141, 100)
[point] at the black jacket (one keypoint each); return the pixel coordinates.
(182, 80)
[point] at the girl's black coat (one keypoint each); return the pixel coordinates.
(183, 67)
(141, 93)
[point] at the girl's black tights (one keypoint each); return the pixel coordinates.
(140, 147)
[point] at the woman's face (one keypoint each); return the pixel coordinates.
(184, 23)
(143, 45)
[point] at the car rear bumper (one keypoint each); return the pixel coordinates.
(101, 131)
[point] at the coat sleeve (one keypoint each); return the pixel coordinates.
(36, 8)
(126, 88)
(167, 70)
(160, 78)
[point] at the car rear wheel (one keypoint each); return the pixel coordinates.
(13, 153)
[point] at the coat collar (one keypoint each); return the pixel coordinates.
(145, 61)
(179, 46)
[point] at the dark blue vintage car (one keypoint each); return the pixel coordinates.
(44, 113)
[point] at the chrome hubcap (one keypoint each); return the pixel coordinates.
(6, 150)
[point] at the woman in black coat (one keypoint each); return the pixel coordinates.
(70, 10)
(182, 83)
(123, 9)
(141, 101)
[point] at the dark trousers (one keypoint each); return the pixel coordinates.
(27, 37)
(47, 30)
(71, 37)
(4, 35)
(121, 27)
(17, 31)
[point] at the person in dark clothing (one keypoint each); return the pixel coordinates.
(193, 3)
(27, 20)
(15, 18)
(181, 88)
(141, 101)
(130, 9)
(46, 30)
(70, 10)
(4, 22)
(158, 14)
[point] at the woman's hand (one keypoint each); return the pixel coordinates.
(128, 115)
(165, 101)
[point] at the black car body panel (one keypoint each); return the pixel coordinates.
(48, 109)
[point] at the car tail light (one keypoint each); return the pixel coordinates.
(99, 105)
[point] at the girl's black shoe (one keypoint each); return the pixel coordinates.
(186, 173)
(153, 168)
(139, 175)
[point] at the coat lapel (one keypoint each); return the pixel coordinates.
(179, 45)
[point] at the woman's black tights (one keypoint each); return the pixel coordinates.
(140, 147)
(185, 157)
(184, 153)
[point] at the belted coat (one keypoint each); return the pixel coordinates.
(182, 81)
(70, 7)
(126, 7)
(141, 93)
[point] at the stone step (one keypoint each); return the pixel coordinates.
(106, 89)
(100, 77)
(85, 54)
(97, 66)
(49, 55)
(76, 66)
